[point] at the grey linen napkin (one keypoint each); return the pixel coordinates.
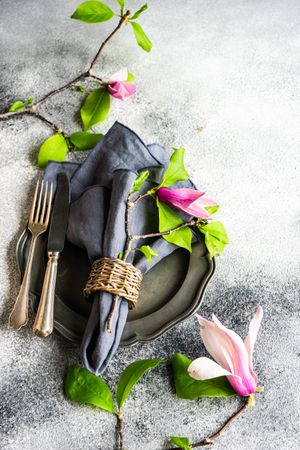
(99, 190)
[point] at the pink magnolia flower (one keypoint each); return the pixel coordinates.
(119, 87)
(233, 355)
(190, 201)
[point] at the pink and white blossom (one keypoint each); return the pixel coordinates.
(233, 356)
(187, 200)
(119, 87)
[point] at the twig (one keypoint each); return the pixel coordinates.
(112, 313)
(140, 197)
(120, 430)
(210, 439)
(30, 112)
(123, 18)
(87, 74)
(127, 250)
(58, 90)
(164, 233)
(99, 80)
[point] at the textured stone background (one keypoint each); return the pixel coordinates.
(232, 68)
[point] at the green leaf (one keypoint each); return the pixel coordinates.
(190, 389)
(181, 442)
(83, 140)
(93, 12)
(141, 38)
(131, 376)
(95, 108)
(148, 252)
(130, 77)
(215, 237)
(139, 12)
(54, 148)
(122, 5)
(120, 255)
(140, 180)
(17, 106)
(217, 230)
(30, 100)
(212, 209)
(81, 386)
(176, 171)
(80, 88)
(168, 219)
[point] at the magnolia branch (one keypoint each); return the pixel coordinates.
(131, 238)
(32, 109)
(210, 439)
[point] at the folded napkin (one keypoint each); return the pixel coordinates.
(99, 190)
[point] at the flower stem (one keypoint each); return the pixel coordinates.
(210, 439)
(120, 430)
(164, 233)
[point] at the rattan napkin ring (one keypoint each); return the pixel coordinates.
(116, 277)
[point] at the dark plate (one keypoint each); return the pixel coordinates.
(171, 291)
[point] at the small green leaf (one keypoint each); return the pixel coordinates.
(215, 237)
(217, 230)
(212, 209)
(181, 442)
(83, 140)
(139, 12)
(168, 219)
(122, 5)
(176, 171)
(188, 388)
(141, 38)
(93, 12)
(131, 376)
(120, 255)
(30, 100)
(95, 108)
(54, 148)
(81, 386)
(213, 245)
(140, 180)
(17, 106)
(148, 252)
(130, 77)
(80, 88)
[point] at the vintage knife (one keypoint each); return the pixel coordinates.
(43, 324)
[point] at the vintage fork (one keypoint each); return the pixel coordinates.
(37, 224)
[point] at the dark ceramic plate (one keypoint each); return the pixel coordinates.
(171, 291)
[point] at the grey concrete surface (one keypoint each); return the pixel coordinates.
(223, 81)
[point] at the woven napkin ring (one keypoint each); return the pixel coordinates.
(116, 277)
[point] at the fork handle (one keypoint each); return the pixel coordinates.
(43, 324)
(19, 315)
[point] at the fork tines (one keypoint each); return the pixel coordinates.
(41, 204)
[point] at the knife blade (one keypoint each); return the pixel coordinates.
(60, 214)
(43, 324)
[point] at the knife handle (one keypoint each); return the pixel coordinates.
(43, 324)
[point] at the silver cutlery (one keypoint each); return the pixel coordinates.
(43, 325)
(37, 224)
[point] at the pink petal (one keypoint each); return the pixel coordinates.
(121, 90)
(239, 359)
(190, 201)
(204, 369)
(216, 343)
(252, 335)
(121, 75)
